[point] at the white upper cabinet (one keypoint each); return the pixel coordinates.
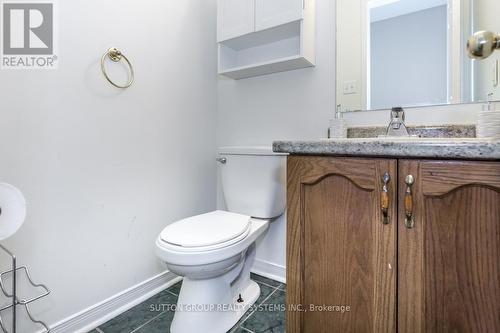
(271, 13)
(260, 37)
(235, 18)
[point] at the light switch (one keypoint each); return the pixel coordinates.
(350, 87)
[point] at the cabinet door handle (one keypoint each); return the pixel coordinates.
(409, 219)
(384, 199)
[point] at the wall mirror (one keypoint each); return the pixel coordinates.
(412, 53)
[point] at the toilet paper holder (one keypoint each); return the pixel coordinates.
(16, 272)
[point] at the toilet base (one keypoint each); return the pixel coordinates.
(214, 305)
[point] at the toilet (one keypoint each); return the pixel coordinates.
(214, 252)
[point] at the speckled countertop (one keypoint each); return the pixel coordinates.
(442, 148)
(438, 131)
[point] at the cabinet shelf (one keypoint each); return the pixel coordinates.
(286, 46)
(269, 67)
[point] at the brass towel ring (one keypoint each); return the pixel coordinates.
(116, 55)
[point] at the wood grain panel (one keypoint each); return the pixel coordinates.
(339, 251)
(462, 266)
(294, 246)
(338, 255)
(361, 172)
(449, 267)
(441, 177)
(410, 256)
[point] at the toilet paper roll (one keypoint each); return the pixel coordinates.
(13, 210)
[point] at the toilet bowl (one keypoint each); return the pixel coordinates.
(216, 289)
(214, 252)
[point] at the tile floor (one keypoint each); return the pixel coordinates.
(268, 316)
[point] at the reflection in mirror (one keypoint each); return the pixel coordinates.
(413, 53)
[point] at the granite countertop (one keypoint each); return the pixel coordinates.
(442, 148)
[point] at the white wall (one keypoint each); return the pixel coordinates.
(351, 53)
(297, 105)
(103, 170)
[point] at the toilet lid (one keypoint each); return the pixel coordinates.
(207, 229)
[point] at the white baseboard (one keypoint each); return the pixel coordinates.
(100, 313)
(269, 270)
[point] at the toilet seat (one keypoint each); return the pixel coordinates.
(206, 232)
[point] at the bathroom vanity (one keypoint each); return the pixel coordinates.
(393, 235)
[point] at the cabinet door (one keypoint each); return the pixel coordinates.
(271, 13)
(339, 252)
(235, 18)
(449, 266)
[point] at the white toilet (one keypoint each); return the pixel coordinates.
(214, 252)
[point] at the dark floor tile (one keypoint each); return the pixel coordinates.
(163, 298)
(140, 314)
(160, 324)
(153, 316)
(265, 291)
(176, 288)
(239, 330)
(270, 317)
(258, 278)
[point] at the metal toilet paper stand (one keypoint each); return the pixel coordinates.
(16, 273)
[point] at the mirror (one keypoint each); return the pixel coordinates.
(412, 53)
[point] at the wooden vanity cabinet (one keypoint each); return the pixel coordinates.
(434, 267)
(338, 250)
(449, 263)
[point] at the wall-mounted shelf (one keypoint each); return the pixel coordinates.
(274, 66)
(287, 45)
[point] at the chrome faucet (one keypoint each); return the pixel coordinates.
(397, 125)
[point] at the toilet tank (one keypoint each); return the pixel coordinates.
(253, 180)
